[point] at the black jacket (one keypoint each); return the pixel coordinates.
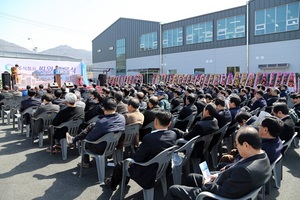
(153, 143)
(204, 127)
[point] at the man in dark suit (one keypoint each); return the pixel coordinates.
(46, 106)
(281, 111)
(223, 116)
(153, 143)
(240, 179)
(149, 115)
(96, 108)
(177, 102)
(27, 103)
(206, 126)
(121, 107)
(186, 111)
(260, 101)
(5, 93)
(58, 100)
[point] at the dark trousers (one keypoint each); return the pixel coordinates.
(93, 148)
(188, 192)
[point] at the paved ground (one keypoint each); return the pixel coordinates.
(29, 172)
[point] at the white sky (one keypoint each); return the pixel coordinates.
(76, 23)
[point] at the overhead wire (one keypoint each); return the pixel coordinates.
(39, 24)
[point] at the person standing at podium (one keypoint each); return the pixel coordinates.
(55, 71)
(14, 75)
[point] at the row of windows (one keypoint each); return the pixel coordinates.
(272, 20)
(232, 27)
(148, 41)
(277, 19)
(198, 33)
(172, 37)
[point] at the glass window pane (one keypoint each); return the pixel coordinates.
(209, 32)
(221, 29)
(281, 19)
(260, 17)
(293, 11)
(240, 26)
(270, 20)
(293, 16)
(179, 37)
(189, 30)
(165, 39)
(170, 34)
(230, 27)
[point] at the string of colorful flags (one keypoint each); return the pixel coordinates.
(273, 79)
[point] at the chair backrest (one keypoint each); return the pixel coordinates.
(7, 104)
(287, 144)
(94, 119)
(206, 139)
(219, 134)
(111, 140)
(47, 118)
(252, 195)
(150, 125)
(173, 121)
(276, 161)
(177, 108)
(255, 112)
(163, 160)
(29, 110)
(187, 149)
(190, 119)
(130, 131)
(72, 125)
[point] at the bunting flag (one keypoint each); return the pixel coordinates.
(216, 79)
(243, 79)
(206, 79)
(291, 82)
(278, 79)
(229, 79)
(272, 79)
(223, 79)
(257, 79)
(211, 79)
(236, 79)
(250, 80)
(264, 79)
(284, 78)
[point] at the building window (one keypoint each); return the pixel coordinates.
(233, 70)
(148, 41)
(199, 71)
(173, 71)
(121, 58)
(277, 19)
(231, 27)
(198, 33)
(172, 37)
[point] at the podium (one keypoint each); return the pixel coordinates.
(58, 79)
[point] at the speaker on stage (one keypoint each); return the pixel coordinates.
(69, 84)
(53, 85)
(6, 80)
(102, 79)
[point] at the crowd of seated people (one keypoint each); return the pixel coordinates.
(214, 106)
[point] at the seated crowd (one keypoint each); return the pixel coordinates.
(258, 140)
